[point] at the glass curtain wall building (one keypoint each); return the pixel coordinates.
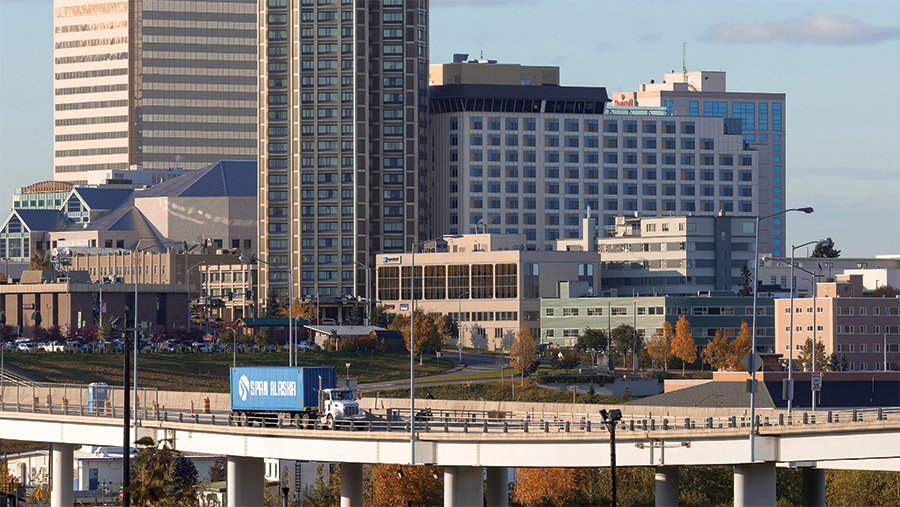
(342, 147)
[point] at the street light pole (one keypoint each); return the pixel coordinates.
(459, 341)
(278, 267)
(368, 300)
(187, 280)
(806, 210)
(412, 341)
(233, 347)
(790, 388)
(611, 418)
(136, 318)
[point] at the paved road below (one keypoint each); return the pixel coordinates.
(472, 363)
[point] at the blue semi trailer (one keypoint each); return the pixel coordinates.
(305, 395)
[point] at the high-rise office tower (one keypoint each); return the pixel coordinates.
(152, 84)
(762, 118)
(343, 171)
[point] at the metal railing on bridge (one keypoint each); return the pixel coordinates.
(73, 400)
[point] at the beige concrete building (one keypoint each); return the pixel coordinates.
(218, 282)
(674, 255)
(864, 330)
(487, 282)
(759, 119)
(151, 84)
(464, 71)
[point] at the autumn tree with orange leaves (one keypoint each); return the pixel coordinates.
(547, 486)
(402, 485)
(683, 346)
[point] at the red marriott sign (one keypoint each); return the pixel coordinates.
(622, 101)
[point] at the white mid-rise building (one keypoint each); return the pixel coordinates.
(530, 160)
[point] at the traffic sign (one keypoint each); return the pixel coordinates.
(746, 361)
(816, 380)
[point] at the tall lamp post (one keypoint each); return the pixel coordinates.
(368, 300)
(279, 267)
(412, 348)
(459, 342)
(233, 346)
(813, 280)
(187, 280)
(611, 418)
(790, 379)
(806, 210)
(134, 275)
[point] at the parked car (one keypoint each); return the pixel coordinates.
(25, 347)
(307, 346)
(51, 347)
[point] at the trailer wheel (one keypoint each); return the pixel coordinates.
(329, 422)
(307, 422)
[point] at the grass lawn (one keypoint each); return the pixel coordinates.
(209, 371)
(495, 391)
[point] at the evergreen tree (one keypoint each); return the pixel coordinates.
(826, 250)
(274, 305)
(745, 283)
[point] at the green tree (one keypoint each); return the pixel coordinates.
(683, 346)
(427, 336)
(885, 291)
(162, 476)
(625, 340)
(274, 305)
(745, 283)
(380, 317)
(805, 355)
(39, 262)
(826, 250)
(356, 316)
(565, 359)
(262, 338)
(838, 362)
(448, 328)
(523, 353)
(592, 339)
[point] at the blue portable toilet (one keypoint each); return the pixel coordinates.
(97, 396)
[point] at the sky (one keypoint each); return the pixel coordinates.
(838, 63)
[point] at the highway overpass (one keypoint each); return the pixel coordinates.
(485, 436)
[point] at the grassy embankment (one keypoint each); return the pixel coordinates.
(207, 371)
(496, 391)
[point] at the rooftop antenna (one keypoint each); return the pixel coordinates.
(684, 71)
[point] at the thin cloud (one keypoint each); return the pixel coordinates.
(815, 28)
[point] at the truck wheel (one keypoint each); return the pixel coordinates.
(329, 422)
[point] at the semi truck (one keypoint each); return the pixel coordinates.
(304, 395)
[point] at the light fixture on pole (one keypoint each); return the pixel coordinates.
(790, 380)
(611, 418)
(806, 210)
(136, 322)
(233, 347)
(248, 260)
(412, 348)
(348, 373)
(815, 339)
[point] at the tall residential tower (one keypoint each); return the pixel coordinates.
(152, 84)
(343, 171)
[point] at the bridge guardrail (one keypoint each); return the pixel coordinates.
(429, 421)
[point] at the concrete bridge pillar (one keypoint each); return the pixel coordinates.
(666, 486)
(246, 481)
(463, 486)
(61, 472)
(497, 487)
(754, 484)
(813, 493)
(351, 484)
